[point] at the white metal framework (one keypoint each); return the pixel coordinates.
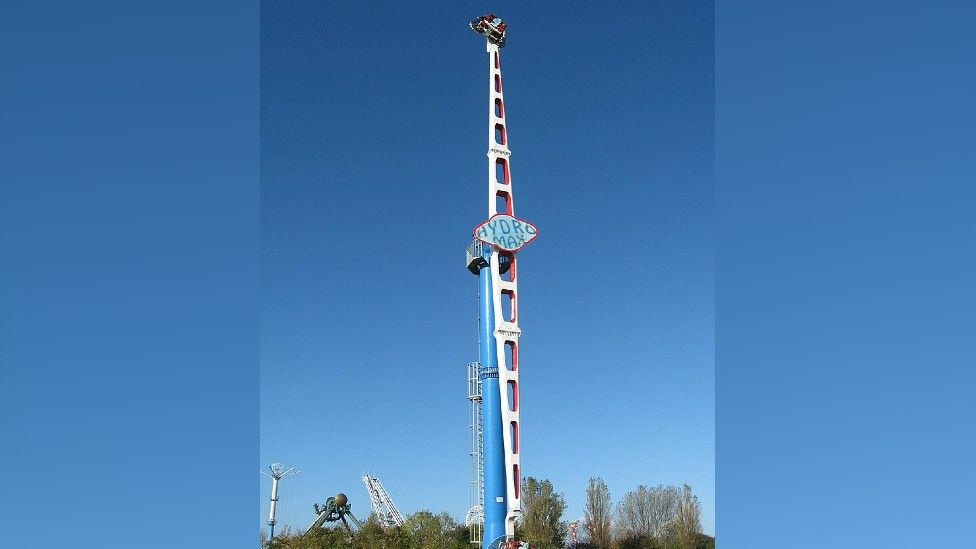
(475, 520)
(383, 506)
(501, 201)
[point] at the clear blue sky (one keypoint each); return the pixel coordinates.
(845, 281)
(373, 170)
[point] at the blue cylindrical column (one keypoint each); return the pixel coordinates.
(494, 504)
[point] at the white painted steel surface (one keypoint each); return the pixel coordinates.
(505, 330)
(383, 507)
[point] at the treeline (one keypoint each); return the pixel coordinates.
(645, 518)
(421, 530)
(660, 517)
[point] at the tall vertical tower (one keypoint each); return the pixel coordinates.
(492, 256)
(277, 473)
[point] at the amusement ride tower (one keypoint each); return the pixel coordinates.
(491, 256)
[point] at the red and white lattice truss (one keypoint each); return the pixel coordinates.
(507, 332)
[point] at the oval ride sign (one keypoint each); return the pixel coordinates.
(506, 232)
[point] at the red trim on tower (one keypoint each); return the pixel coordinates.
(515, 479)
(513, 403)
(515, 437)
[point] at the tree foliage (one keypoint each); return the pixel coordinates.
(421, 530)
(428, 531)
(542, 512)
(648, 512)
(662, 516)
(688, 520)
(598, 513)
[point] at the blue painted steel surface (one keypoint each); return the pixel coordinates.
(495, 507)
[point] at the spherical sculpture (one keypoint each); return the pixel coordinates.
(341, 500)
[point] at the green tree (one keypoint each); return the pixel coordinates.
(397, 538)
(320, 538)
(649, 512)
(370, 536)
(598, 513)
(428, 531)
(542, 512)
(660, 517)
(688, 519)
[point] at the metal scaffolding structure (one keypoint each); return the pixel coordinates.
(383, 506)
(475, 520)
